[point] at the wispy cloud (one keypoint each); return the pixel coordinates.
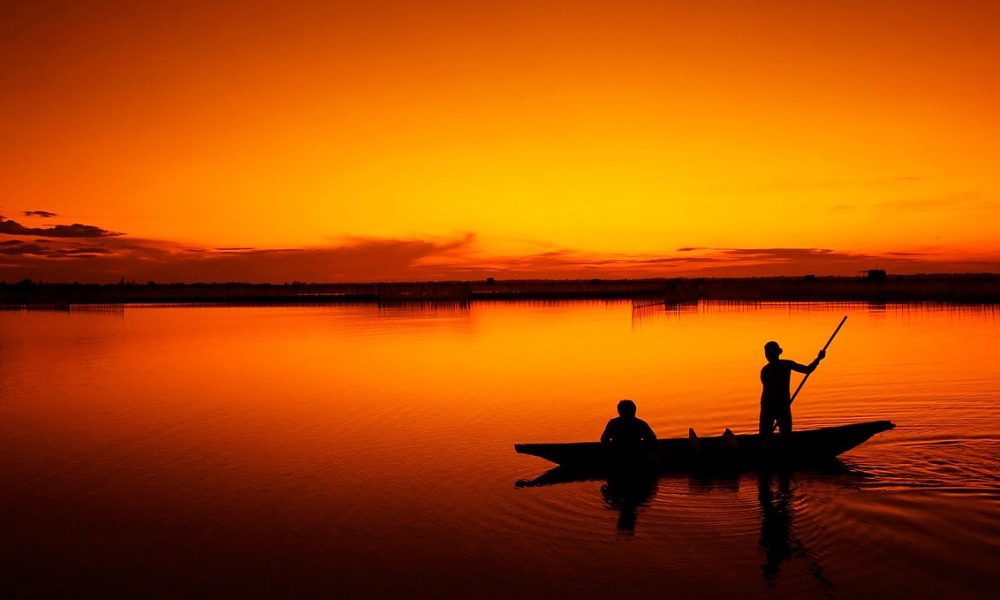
(40, 213)
(749, 262)
(817, 185)
(701, 261)
(962, 200)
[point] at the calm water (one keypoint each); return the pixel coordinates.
(364, 452)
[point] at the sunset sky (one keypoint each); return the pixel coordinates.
(358, 141)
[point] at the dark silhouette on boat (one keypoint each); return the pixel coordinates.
(776, 396)
(728, 452)
(628, 440)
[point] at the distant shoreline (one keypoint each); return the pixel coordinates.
(876, 286)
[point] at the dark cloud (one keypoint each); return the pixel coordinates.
(16, 248)
(76, 230)
(778, 253)
(40, 213)
(354, 259)
(80, 252)
(107, 259)
(701, 261)
(43, 248)
(749, 262)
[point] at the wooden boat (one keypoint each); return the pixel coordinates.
(728, 451)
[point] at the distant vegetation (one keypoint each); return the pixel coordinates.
(873, 286)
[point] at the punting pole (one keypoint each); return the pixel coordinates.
(828, 342)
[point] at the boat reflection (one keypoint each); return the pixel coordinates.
(558, 475)
(626, 492)
(776, 494)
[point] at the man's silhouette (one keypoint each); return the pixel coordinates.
(628, 436)
(775, 398)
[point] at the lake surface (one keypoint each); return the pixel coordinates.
(364, 451)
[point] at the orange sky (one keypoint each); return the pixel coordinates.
(364, 140)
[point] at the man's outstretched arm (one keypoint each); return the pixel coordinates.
(811, 366)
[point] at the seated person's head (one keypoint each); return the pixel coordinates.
(626, 408)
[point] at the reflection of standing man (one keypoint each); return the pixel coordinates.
(777, 530)
(775, 398)
(775, 524)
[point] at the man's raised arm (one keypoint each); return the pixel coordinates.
(811, 366)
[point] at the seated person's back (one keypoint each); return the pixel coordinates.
(626, 432)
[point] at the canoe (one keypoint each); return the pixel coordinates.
(725, 451)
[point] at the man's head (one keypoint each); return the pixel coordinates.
(772, 350)
(626, 408)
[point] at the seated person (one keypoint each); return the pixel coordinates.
(628, 435)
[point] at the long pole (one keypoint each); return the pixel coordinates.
(828, 342)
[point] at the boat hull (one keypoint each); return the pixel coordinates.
(725, 451)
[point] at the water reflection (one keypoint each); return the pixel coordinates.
(627, 493)
(333, 412)
(777, 537)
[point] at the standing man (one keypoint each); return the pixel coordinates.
(775, 398)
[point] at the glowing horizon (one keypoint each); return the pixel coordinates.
(435, 140)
